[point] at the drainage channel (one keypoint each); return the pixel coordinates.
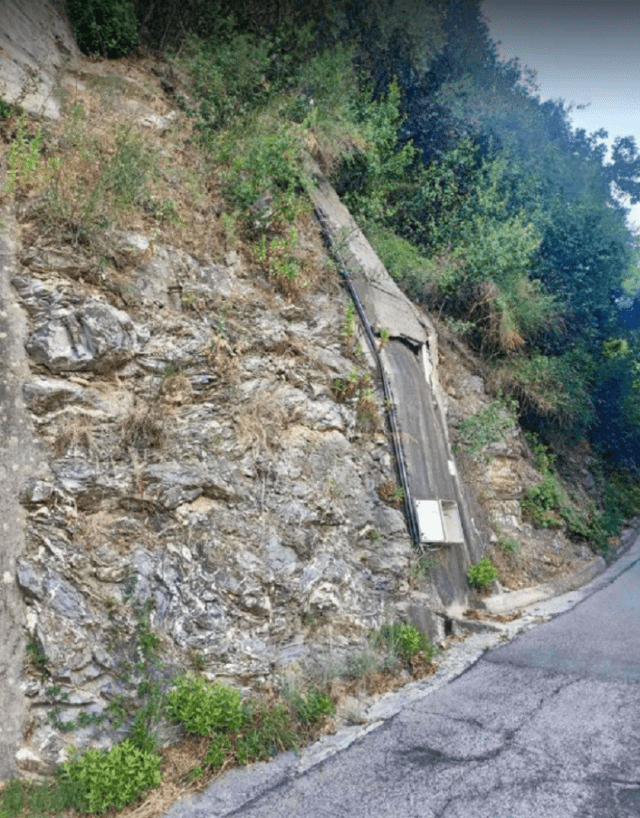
(409, 504)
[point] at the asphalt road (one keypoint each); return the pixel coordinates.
(546, 726)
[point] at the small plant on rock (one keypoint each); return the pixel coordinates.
(403, 641)
(310, 708)
(204, 708)
(112, 779)
(391, 494)
(482, 574)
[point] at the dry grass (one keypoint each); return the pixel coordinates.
(489, 311)
(367, 414)
(260, 426)
(391, 494)
(71, 195)
(143, 427)
(224, 360)
(77, 431)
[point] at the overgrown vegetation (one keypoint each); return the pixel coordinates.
(488, 426)
(108, 28)
(482, 202)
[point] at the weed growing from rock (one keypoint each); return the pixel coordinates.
(482, 574)
(402, 642)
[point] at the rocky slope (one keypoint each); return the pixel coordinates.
(187, 469)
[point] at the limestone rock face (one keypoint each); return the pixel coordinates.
(94, 337)
(194, 460)
(36, 41)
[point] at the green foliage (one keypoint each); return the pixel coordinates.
(403, 641)
(24, 156)
(310, 708)
(219, 749)
(416, 274)
(204, 708)
(113, 778)
(544, 503)
(263, 178)
(369, 175)
(482, 574)
(488, 426)
(270, 731)
(20, 797)
(556, 387)
(6, 109)
(105, 27)
(548, 504)
(37, 656)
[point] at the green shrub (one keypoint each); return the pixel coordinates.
(112, 779)
(219, 749)
(404, 641)
(546, 504)
(23, 158)
(264, 177)
(312, 707)
(204, 708)
(106, 27)
(482, 574)
(269, 732)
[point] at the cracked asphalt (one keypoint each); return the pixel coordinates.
(545, 726)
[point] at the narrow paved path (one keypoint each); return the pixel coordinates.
(546, 726)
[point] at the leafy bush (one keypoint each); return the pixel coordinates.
(482, 574)
(219, 749)
(545, 502)
(112, 779)
(204, 708)
(264, 176)
(311, 707)
(404, 641)
(106, 27)
(269, 732)
(369, 175)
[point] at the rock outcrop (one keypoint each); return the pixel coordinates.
(190, 452)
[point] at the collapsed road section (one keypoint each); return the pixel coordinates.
(437, 514)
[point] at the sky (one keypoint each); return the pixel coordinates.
(584, 52)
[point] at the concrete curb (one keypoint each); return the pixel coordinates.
(514, 600)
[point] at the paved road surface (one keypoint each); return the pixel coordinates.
(547, 726)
